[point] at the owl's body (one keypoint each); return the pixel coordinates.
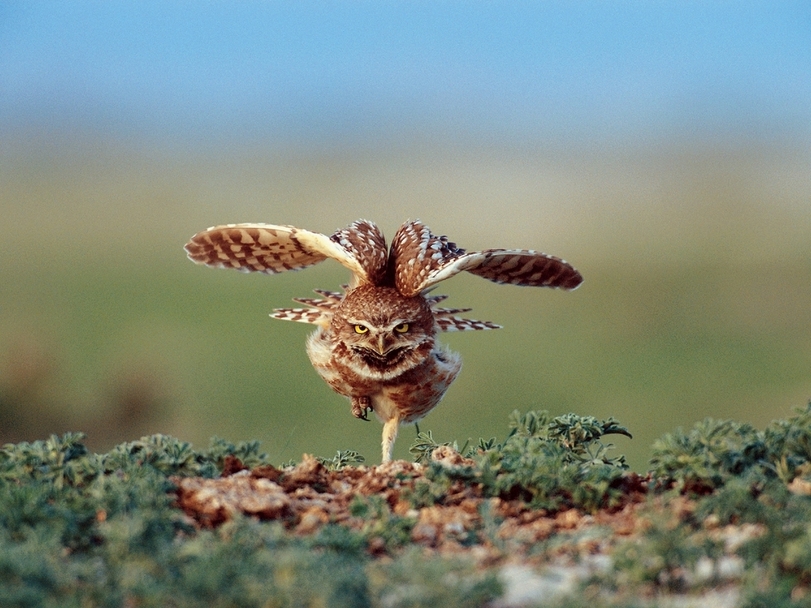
(376, 342)
(400, 376)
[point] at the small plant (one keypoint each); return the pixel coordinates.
(705, 457)
(425, 444)
(342, 458)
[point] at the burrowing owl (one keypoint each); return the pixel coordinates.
(376, 342)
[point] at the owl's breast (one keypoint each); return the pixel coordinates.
(408, 393)
(417, 392)
(319, 350)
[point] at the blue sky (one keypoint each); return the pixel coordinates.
(281, 71)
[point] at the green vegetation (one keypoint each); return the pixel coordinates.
(550, 463)
(82, 529)
(724, 505)
(757, 483)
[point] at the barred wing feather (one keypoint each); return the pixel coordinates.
(510, 266)
(272, 248)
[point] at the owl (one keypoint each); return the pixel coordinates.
(375, 342)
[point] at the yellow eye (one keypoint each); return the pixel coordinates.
(361, 329)
(401, 328)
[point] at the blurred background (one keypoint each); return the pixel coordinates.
(663, 148)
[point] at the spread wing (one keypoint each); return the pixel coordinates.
(271, 248)
(521, 267)
(421, 260)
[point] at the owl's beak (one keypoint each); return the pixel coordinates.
(382, 347)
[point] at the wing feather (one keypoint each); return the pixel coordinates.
(331, 295)
(319, 313)
(449, 312)
(459, 324)
(417, 255)
(318, 303)
(272, 248)
(524, 267)
(264, 248)
(510, 266)
(363, 241)
(422, 259)
(314, 316)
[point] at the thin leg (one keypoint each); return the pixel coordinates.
(417, 426)
(390, 428)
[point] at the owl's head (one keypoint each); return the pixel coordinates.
(383, 332)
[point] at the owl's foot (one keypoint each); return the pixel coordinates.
(361, 407)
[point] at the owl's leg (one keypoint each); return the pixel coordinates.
(361, 407)
(390, 428)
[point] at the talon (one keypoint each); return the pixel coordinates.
(361, 407)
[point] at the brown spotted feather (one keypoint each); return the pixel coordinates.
(416, 254)
(301, 315)
(318, 303)
(252, 248)
(446, 312)
(526, 267)
(365, 242)
(459, 324)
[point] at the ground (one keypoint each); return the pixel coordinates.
(538, 554)
(545, 517)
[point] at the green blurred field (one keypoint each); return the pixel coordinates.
(697, 298)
